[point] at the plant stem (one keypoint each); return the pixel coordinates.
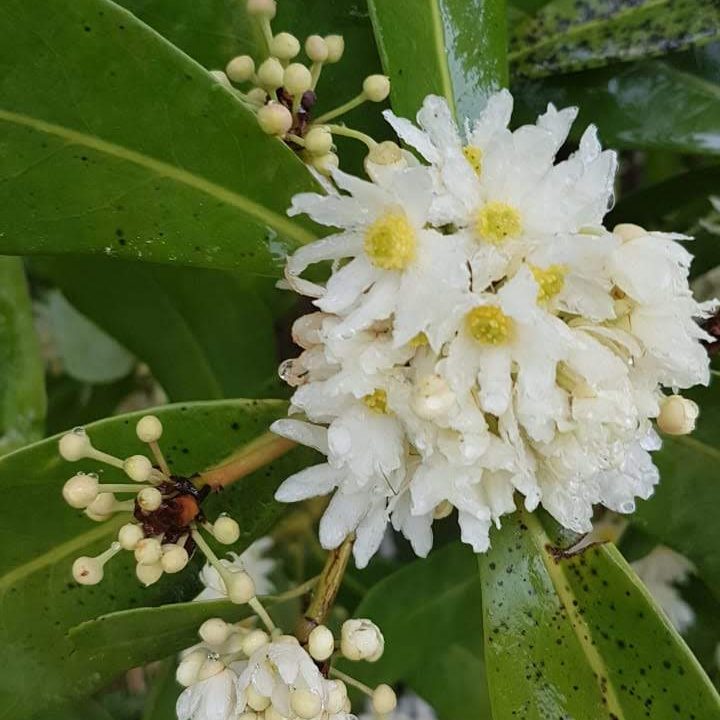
(341, 110)
(326, 590)
(355, 134)
(252, 456)
(348, 680)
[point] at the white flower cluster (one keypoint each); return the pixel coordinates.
(481, 334)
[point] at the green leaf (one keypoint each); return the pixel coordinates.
(119, 144)
(673, 515)
(163, 694)
(453, 48)
(40, 603)
(22, 390)
(570, 35)
(640, 105)
(203, 333)
(579, 637)
(429, 612)
(87, 710)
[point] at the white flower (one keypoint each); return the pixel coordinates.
(483, 335)
(409, 707)
(212, 699)
(662, 570)
(252, 561)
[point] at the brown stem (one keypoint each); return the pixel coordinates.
(326, 590)
(252, 456)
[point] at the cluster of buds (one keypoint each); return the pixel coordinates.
(166, 510)
(283, 92)
(251, 674)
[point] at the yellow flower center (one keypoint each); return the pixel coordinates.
(473, 155)
(550, 280)
(489, 325)
(390, 242)
(420, 340)
(498, 221)
(377, 401)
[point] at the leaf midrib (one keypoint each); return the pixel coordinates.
(162, 169)
(440, 49)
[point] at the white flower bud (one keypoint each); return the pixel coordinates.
(240, 587)
(130, 535)
(321, 643)
(268, 8)
(80, 490)
(678, 415)
(386, 153)
(149, 499)
(189, 667)
(248, 716)
(307, 329)
(149, 429)
(284, 46)
(102, 505)
(254, 640)
(138, 468)
(148, 552)
(174, 559)
(319, 141)
(432, 397)
(336, 47)
(376, 87)
(442, 510)
(240, 69)
(336, 697)
(211, 667)
(255, 700)
(361, 639)
(384, 699)
(96, 517)
(257, 96)
(234, 644)
(214, 631)
(220, 77)
(272, 714)
(75, 445)
(148, 574)
(628, 231)
(325, 164)
(226, 530)
(316, 49)
(270, 73)
(88, 570)
(305, 704)
(274, 119)
(297, 79)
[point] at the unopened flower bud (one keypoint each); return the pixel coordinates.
(284, 46)
(305, 703)
(274, 119)
(678, 415)
(211, 667)
(226, 530)
(270, 73)
(316, 49)
(138, 468)
(130, 535)
(336, 47)
(257, 96)
(318, 141)
(149, 429)
(255, 700)
(240, 69)
(254, 640)
(148, 552)
(267, 8)
(96, 517)
(74, 445)
(174, 558)
(80, 490)
(88, 570)
(628, 231)
(240, 587)
(214, 631)
(442, 510)
(148, 574)
(361, 639)
(248, 715)
(103, 504)
(149, 499)
(297, 79)
(321, 643)
(336, 697)
(326, 164)
(272, 714)
(384, 699)
(432, 397)
(189, 667)
(376, 87)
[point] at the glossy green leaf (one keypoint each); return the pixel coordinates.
(689, 481)
(116, 143)
(579, 637)
(570, 35)
(22, 385)
(202, 332)
(87, 710)
(433, 607)
(43, 536)
(640, 105)
(164, 691)
(453, 48)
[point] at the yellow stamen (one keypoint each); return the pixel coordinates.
(497, 221)
(550, 280)
(390, 242)
(473, 155)
(489, 325)
(420, 340)
(377, 401)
